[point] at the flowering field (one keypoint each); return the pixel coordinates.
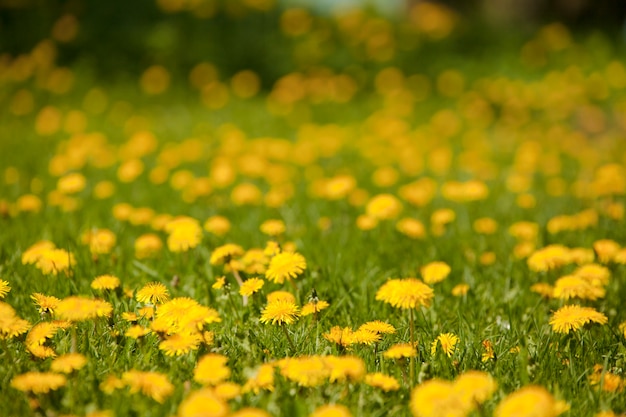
(368, 238)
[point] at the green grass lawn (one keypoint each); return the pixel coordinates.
(333, 187)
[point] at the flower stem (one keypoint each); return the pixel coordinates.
(74, 345)
(293, 347)
(240, 282)
(412, 336)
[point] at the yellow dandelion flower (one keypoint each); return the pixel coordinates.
(77, 308)
(147, 246)
(10, 324)
(436, 398)
(383, 207)
(530, 401)
(573, 286)
(384, 382)
(184, 233)
(39, 335)
(447, 341)
(339, 187)
(203, 402)
(110, 384)
(263, 379)
(405, 293)
(622, 328)
(105, 282)
(280, 312)
(582, 256)
(435, 272)
(344, 368)
(68, 363)
(4, 288)
(100, 241)
(146, 312)
(485, 226)
(489, 353)
(223, 254)
(548, 258)
(255, 261)
(38, 382)
(153, 384)
(306, 371)
(443, 216)
(606, 249)
(217, 225)
(36, 251)
(378, 326)
(460, 290)
(211, 369)
(281, 296)
(273, 227)
(272, 248)
(153, 293)
(130, 316)
(227, 390)
(41, 351)
(250, 286)
(185, 315)
(285, 266)
(412, 228)
(71, 183)
(55, 261)
(573, 317)
(340, 336)
(180, 344)
(313, 307)
(219, 283)
(366, 337)
(596, 275)
(366, 222)
(605, 380)
(524, 231)
(544, 289)
(400, 350)
(136, 331)
(474, 387)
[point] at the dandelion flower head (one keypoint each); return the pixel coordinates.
(280, 312)
(405, 293)
(285, 266)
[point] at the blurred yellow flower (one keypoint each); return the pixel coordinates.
(38, 382)
(435, 272)
(383, 207)
(105, 282)
(530, 401)
(285, 266)
(153, 384)
(68, 363)
(211, 369)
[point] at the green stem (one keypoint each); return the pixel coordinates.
(412, 336)
(74, 346)
(293, 347)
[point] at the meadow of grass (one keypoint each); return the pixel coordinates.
(367, 239)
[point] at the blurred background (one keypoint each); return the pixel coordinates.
(115, 39)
